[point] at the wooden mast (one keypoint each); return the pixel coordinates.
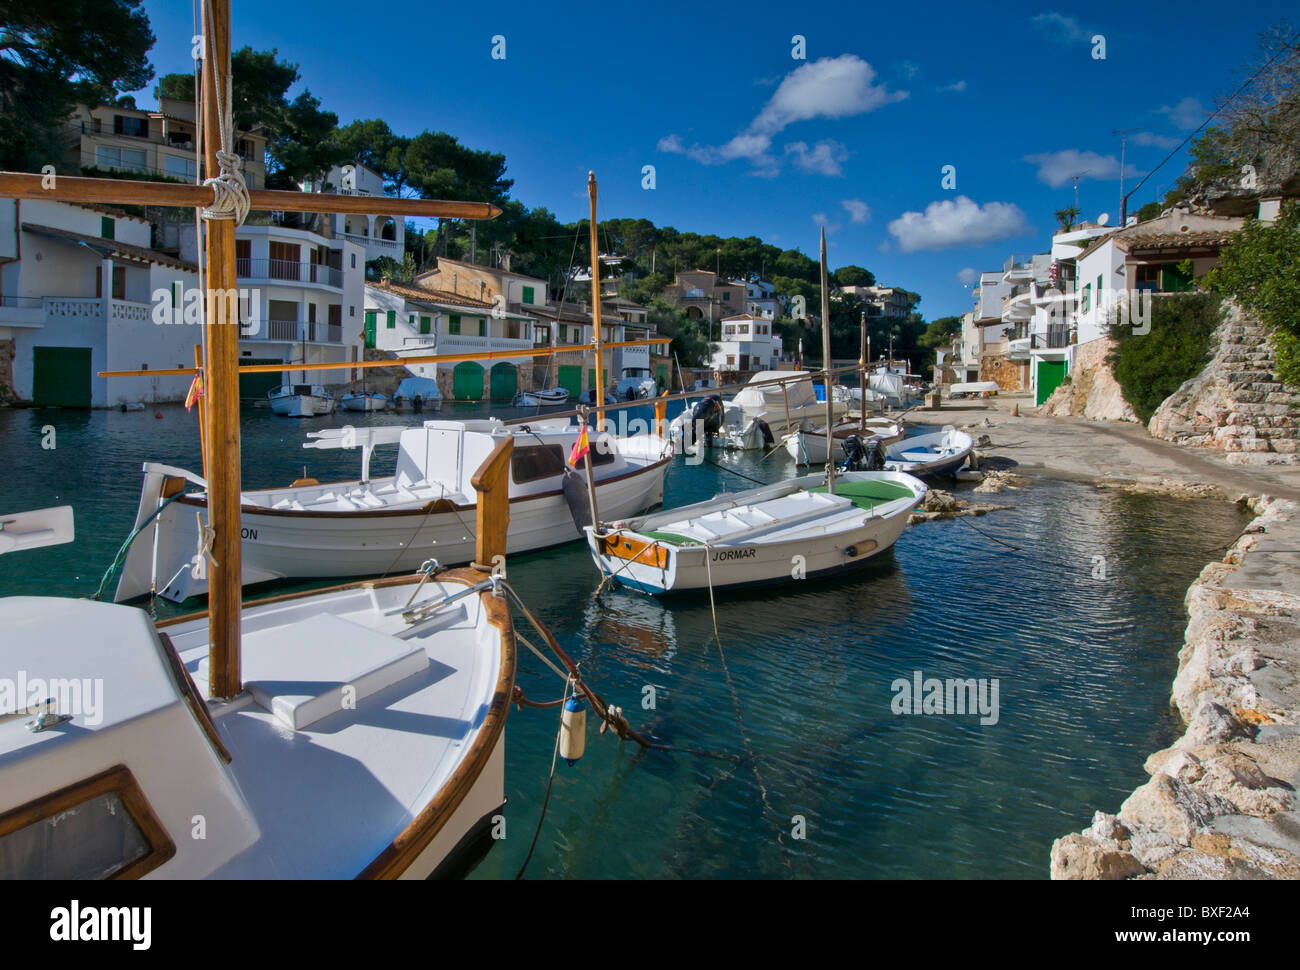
(862, 373)
(826, 369)
(221, 337)
(599, 396)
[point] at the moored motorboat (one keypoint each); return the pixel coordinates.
(417, 394)
(933, 453)
(778, 533)
(368, 527)
(809, 447)
(301, 400)
(773, 405)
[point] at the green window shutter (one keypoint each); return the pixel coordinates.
(528, 294)
(410, 319)
(564, 333)
(424, 324)
(453, 325)
(392, 319)
(370, 318)
(107, 227)
(482, 327)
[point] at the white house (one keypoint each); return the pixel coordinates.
(377, 235)
(80, 293)
(748, 344)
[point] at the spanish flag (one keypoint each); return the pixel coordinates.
(580, 448)
(195, 392)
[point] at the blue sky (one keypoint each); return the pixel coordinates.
(746, 139)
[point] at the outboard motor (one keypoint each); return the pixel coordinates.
(766, 432)
(417, 403)
(707, 415)
(863, 456)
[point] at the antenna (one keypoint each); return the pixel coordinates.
(1123, 139)
(1076, 177)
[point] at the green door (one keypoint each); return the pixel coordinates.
(370, 330)
(256, 386)
(61, 377)
(467, 381)
(661, 375)
(569, 376)
(591, 378)
(504, 382)
(1050, 375)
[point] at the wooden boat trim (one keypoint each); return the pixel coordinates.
(437, 505)
(193, 699)
(118, 780)
(402, 852)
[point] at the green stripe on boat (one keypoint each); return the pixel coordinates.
(867, 495)
(672, 538)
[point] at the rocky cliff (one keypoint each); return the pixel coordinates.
(1236, 404)
(1092, 391)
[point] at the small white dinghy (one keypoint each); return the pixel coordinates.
(361, 401)
(417, 394)
(776, 533)
(935, 453)
(809, 447)
(546, 398)
(301, 400)
(368, 739)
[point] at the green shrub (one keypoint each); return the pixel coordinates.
(1149, 367)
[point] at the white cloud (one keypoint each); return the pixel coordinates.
(821, 219)
(1153, 140)
(910, 69)
(824, 158)
(1059, 168)
(957, 222)
(957, 86)
(858, 210)
(1186, 114)
(968, 275)
(1062, 28)
(831, 87)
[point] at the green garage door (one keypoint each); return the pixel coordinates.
(569, 377)
(662, 374)
(61, 377)
(1050, 375)
(503, 381)
(591, 378)
(257, 386)
(467, 381)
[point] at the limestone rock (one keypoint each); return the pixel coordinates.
(1174, 807)
(1079, 857)
(1092, 391)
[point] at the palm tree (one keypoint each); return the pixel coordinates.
(1067, 216)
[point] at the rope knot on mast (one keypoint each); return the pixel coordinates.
(229, 191)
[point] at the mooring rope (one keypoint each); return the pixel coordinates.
(121, 552)
(555, 753)
(735, 700)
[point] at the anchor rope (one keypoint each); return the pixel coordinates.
(555, 753)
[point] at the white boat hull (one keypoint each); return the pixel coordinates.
(301, 406)
(830, 544)
(809, 447)
(936, 453)
(368, 402)
(281, 545)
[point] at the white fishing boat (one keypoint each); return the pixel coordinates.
(930, 454)
(757, 417)
(809, 447)
(543, 398)
(973, 389)
(370, 527)
(589, 397)
(110, 736)
(785, 532)
(417, 394)
(363, 401)
(636, 384)
(301, 400)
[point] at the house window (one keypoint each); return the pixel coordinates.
(453, 323)
(482, 328)
(564, 333)
(726, 296)
(528, 294)
(119, 282)
(1085, 301)
(391, 319)
(185, 168)
(1147, 278)
(135, 127)
(425, 324)
(107, 227)
(124, 158)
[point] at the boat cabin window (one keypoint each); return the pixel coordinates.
(532, 462)
(599, 456)
(99, 828)
(302, 389)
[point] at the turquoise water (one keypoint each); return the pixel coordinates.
(797, 703)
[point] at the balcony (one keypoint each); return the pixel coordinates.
(288, 271)
(390, 246)
(291, 331)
